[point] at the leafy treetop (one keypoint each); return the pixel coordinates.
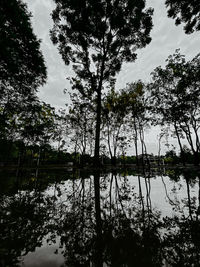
(185, 11)
(97, 36)
(21, 62)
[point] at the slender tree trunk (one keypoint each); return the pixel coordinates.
(195, 128)
(141, 197)
(110, 194)
(189, 199)
(145, 148)
(18, 163)
(98, 248)
(98, 115)
(142, 147)
(180, 145)
(135, 142)
(38, 157)
(98, 127)
(159, 149)
(108, 141)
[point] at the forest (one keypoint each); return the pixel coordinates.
(100, 124)
(79, 185)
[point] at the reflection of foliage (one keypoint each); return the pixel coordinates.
(127, 232)
(131, 232)
(77, 227)
(22, 229)
(78, 239)
(182, 239)
(127, 241)
(182, 245)
(173, 175)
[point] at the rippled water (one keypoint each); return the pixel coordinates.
(60, 218)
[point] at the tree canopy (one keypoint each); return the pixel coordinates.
(21, 62)
(175, 97)
(22, 66)
(185, 11)
(97, 37)
(113, 30)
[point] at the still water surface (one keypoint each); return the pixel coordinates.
(61, 218)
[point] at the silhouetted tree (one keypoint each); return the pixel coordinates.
(81, 119)
(115, 128)
(21, 62)
(97, 37)
(22, 67)
(61, 130)
(185, 11)
(136, 107)
(174, 98)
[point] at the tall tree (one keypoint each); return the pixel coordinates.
(97, 37)
(61, 130)
(81, 123)
(22, 67)
(114, 123)
(175, 98)
(136, 106)
(21, 62)
(185, 11)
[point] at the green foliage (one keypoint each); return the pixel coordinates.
(36, 124)
(115, 130)
(81, 122)
(8, 151)
(171, 157)
(127, 160)
(169, 160)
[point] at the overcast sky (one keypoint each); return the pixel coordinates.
(166, 37)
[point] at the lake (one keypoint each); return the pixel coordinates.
(78, 218)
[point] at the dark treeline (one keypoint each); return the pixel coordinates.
(36, 132)
(101, 124)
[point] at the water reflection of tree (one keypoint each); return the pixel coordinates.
(182, 239)
(118, 233)
(131, 230)
(26, 217)
(77, 224)
(23, 227)
(102, 220)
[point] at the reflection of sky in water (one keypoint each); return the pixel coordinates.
(43, 257)
(164, 193)
(166, 196)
